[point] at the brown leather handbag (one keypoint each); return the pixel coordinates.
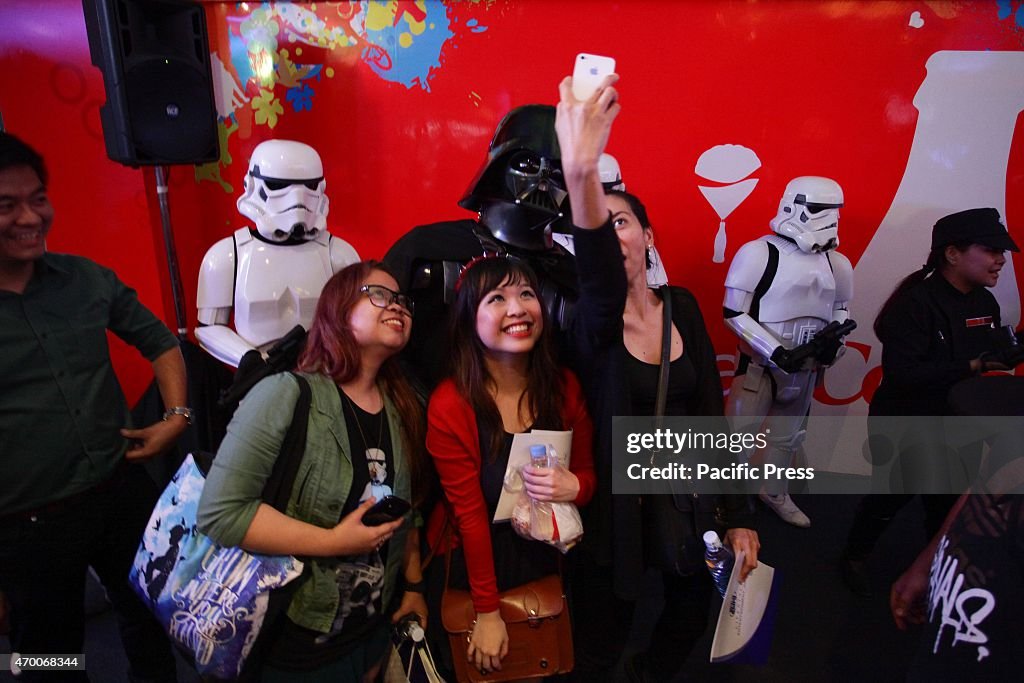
(539, 633)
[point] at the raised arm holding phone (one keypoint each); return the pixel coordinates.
(618, 328)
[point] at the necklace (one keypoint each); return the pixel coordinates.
(359, 425)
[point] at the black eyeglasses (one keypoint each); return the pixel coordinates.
(382, 297)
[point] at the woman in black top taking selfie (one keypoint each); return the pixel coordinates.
(617, 346)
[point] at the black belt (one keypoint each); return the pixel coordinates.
(63, 504)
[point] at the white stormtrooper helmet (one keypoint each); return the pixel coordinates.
(809, 213)
(611, 175)
(284, 191)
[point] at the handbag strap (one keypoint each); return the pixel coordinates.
(447, 537)
(666, 351)
(278, 489)
(433, 547)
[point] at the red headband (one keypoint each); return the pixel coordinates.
(475, 260)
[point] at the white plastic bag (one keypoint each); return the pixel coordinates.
(557, 524)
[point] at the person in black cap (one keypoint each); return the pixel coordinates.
(938, 327)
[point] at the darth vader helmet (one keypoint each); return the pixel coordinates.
(520, 192)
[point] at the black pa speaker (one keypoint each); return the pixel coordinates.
(155, 60)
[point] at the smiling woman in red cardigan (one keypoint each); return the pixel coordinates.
(505, 381)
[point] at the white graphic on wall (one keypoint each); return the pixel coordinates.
(967, 108)
(227, 92)
(729, 165)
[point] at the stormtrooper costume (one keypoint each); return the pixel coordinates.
(270, 275)
(780, 291)
(520, 200)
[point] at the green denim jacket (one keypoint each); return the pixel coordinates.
(245, 459)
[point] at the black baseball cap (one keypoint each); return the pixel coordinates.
(977, 226)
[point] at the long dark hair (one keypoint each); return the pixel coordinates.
(331, 349)
(936, 262)
(544, 390)
(640, 211)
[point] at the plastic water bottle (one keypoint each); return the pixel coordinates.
(719, 560)
(539, 455)
(542, 525)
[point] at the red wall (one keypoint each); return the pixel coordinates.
(812, 87)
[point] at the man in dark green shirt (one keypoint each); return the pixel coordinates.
(70, 500)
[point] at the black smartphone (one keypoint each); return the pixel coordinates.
(387, 509)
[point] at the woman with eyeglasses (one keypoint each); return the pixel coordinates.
(364, 440)
(504, 380)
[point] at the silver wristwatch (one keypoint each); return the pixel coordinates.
(179, 410)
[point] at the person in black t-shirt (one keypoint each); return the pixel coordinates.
(972, 627)
(965, 587)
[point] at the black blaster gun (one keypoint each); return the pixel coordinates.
(822, 348)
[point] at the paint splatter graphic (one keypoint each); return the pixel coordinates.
(280, 50)
(399, 40)
(1005, 11)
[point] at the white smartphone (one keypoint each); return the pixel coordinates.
(588, 72)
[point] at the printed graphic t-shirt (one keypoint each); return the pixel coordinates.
(976, 596)
(360, 578)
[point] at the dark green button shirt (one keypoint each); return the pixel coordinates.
(60, 403)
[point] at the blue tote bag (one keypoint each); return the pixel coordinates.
(212, 600)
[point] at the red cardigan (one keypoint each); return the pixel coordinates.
(454, 443)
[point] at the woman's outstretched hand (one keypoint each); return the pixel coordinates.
(583, 128)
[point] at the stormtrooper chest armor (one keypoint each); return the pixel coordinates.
(277, 286)
(800, 298)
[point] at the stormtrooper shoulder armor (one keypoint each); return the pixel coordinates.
(217, 278)
(343, 254)
(748, 266)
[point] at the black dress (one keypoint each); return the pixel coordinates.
(599, 358)
(517, 560)
(643, 384)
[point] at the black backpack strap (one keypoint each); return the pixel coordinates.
(252, 368)
(278, 489)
